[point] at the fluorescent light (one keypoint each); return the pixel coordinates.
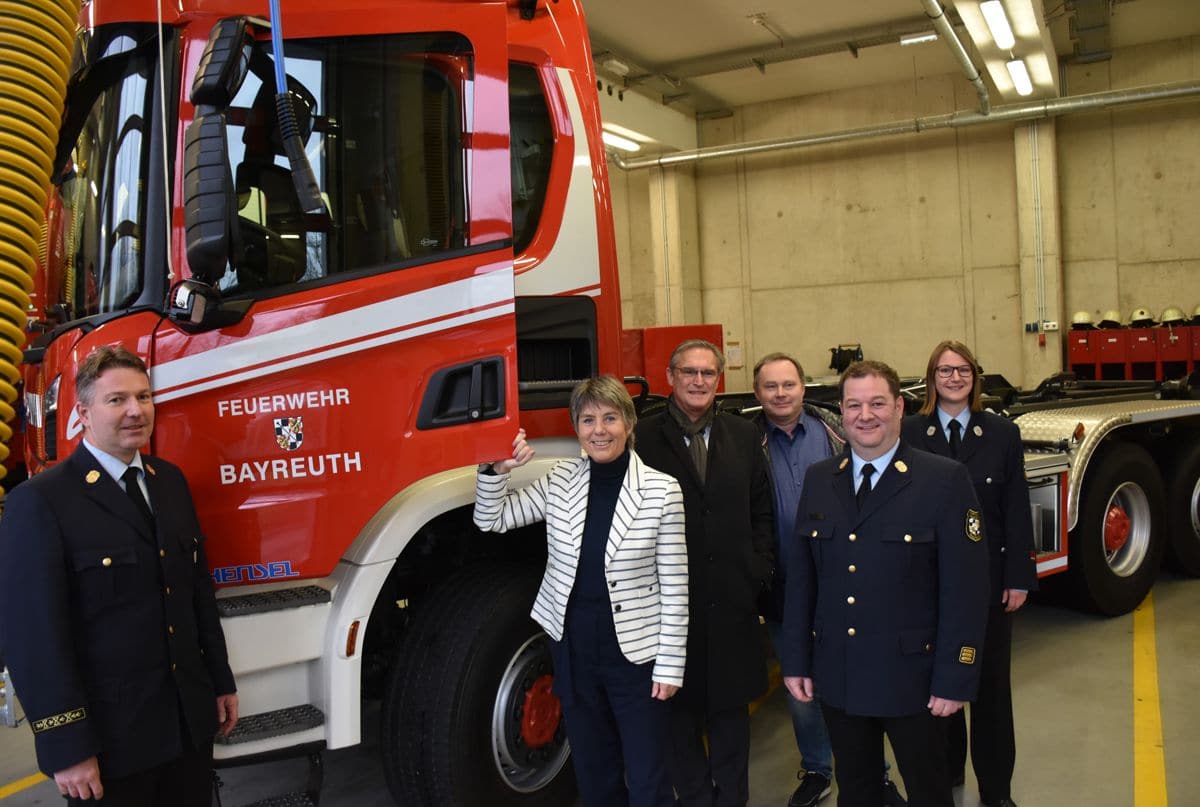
(618, 142)
(1020, 77)
(997, 23)
(917, 39)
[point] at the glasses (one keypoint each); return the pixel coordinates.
(696, 372)
(963, 371)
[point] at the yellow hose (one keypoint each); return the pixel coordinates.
(36, 38)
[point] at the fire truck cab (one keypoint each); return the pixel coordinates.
(329, 378)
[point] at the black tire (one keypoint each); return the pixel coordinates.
(1183, 511)
(455, 697)
(1113, 579)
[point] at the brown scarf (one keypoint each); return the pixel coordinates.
(694, 429)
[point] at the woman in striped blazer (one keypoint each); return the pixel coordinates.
(614, 596)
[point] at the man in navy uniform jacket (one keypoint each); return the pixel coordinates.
(108, 620)
(886, 597)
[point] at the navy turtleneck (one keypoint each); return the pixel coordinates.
(604, 487)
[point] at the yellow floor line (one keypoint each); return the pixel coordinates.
(1149, 770)
(12, 788)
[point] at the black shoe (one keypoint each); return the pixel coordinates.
(891, 796)
(813, 787)
(1001, 803)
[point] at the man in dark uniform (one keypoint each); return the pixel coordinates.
(107, 616)
(720, 466)
(952, 423)
(886, 597)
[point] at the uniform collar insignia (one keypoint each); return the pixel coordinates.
(931, 431)
(900, 466)
(149, 468)
(842, 465)
(92, 477)
(978, 431)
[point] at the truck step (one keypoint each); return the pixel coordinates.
(265, 725)
(278, 600)
(286, 800)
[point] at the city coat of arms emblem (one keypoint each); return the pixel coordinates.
(289, 433)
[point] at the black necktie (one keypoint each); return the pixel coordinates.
(134, 491)
(955, 437)
(864, 487)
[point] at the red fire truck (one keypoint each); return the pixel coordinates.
(329, 378)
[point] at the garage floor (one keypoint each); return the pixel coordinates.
(1095, 726)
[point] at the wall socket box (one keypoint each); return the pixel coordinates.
(1049, 325)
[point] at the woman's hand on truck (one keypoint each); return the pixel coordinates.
(522, 453)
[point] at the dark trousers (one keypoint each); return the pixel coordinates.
(993, 740)
(918, 742)
(719, 777)
(619, 734)
(185, 781)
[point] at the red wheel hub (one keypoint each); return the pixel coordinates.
(1116, 528)
(539, 719)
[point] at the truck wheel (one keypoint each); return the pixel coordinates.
(1183, 513)
(1117, 544)
(468, 715)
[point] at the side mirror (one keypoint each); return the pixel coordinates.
(223, 65)
(195, 307)
(208, 198)
(207, 184)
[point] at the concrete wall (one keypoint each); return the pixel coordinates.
(896, 243)
(1131, 188)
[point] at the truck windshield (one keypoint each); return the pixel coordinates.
(97, 213)
(388, 117)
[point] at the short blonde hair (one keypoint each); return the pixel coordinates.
(603, 390)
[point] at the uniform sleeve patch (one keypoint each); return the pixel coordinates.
(59, 720)
(974, 525)
(966, 655)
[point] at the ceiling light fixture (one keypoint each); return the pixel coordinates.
(997, 23)
(618, 142)
(1020, 76)
(917, 39)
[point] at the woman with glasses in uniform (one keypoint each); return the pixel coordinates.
(614, 599)
(953, 423)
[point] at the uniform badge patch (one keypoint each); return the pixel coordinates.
(966, 655)
(974, 525)
(289, 433)
(92, 477)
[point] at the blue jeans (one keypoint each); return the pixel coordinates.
(812, 740)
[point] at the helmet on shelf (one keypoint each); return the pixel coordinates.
(1173, 316)
(1081, 320)
(1111, 319)
(1141, 318)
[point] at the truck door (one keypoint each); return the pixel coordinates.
(378, 349)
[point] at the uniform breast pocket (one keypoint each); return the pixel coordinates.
(988, 483)
(912, 549)
(819, 536)
(104, 575)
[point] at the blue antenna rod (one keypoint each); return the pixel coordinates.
(277, 48)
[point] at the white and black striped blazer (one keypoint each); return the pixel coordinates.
(645, 562)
